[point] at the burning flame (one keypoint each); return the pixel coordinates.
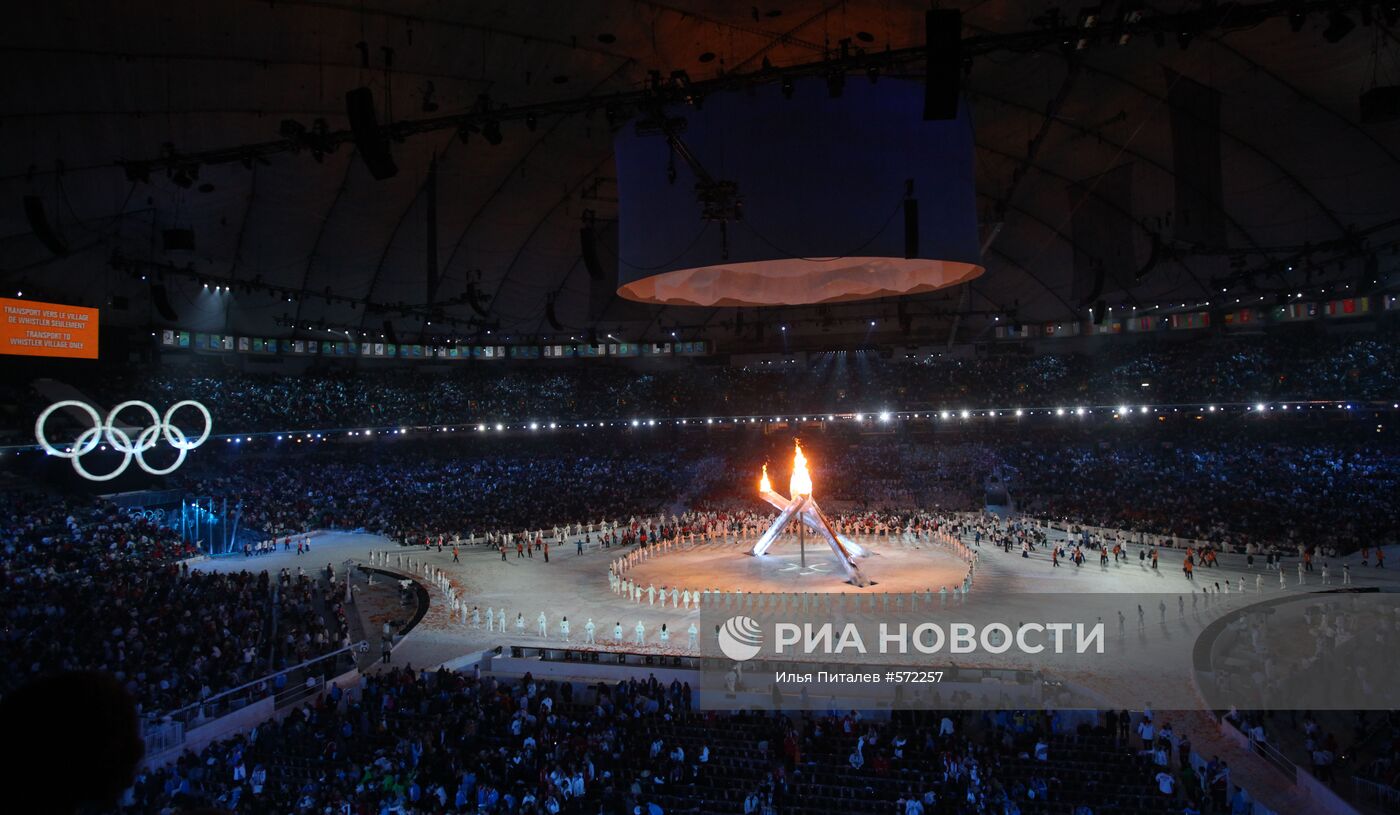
(765, 485)
(801, 481)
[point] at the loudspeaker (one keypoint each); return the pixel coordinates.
(390, 336)
(161, 300)
(178, 240)
(475, 300)
(1097, 289)
(1151, 258)
(588, 242)
(550, 316)
(39, 222)
(911, 227)
(943, 63)
(1370, 276)
(1380, 104)
(373, 147)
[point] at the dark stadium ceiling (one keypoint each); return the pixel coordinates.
(168, 87)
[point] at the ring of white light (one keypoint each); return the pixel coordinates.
(161, 427)
(111, 431)
(80, 450)
(184, 441)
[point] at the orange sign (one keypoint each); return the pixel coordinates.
(35, 329)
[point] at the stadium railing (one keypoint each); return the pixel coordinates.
(1376, 794)
(167, 731)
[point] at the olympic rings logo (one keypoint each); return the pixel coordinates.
(154, 515)
(120, 440)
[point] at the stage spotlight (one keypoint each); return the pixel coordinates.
(1123, 410)
(534, 426)
(709, 421)
(1018, 411)
(831, 418)
(1143, 409)
(635, 422)
(884, 417)
(860, 417)
(1079, 411)
(966, 414)
(1259, 407)
(943, 415)
(1211, 408)
(1059, 411)
(500, 427)
(552, 425)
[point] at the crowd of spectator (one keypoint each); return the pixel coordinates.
(406, 741)
(409, 488)
(438, 742)
(1236, 482)
(1233, 491)
(1363, 366)
(84, 585)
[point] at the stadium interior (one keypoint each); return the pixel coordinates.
(372, 368)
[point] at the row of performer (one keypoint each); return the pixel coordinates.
(627, 588)
(496, 622)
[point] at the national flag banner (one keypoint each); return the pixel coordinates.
(1195, 319)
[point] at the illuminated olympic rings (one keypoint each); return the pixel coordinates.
(120, 439)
